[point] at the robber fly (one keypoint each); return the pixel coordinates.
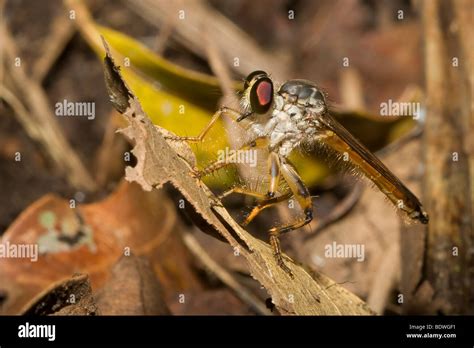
(280, 122)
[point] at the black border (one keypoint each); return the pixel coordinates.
(238, 329)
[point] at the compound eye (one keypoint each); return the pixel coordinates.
(252, 75)
(318, 95)
(264, 92)
(261, 95)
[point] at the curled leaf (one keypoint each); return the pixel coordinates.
(72, 296)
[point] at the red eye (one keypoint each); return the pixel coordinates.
(264, 92)
(261, 95)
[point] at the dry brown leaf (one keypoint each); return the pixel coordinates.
(90, 239)
(218, 301)
(158, 163)
(72, 296)
(132, 289)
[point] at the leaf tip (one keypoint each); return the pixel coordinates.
(117, 89)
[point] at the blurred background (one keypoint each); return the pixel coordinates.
(183, 59)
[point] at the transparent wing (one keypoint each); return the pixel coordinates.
(341, 141)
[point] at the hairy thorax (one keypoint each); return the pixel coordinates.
(294, 119)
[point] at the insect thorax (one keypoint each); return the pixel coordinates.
(288, 126)
(294, 117)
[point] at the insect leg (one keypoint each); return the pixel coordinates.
(302, 195)
(222, 111)
(213, 167)
(274, 172)
(275, 243)
(265, 204)
(243, 191)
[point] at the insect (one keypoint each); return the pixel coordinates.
(282, 120)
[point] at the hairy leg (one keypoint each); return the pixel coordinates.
(302, 195)
(233, 114)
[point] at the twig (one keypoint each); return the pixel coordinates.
(448, 178)
(340, 210)
(327, 17)
(61, 33)
(110, 153)
(47, 130)
(241, 292)
(402, 141)
(351, 89)
(385, 279)
(220, 69)
(2, 66)
(163, 36)
(21, 112)
(232, 40)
